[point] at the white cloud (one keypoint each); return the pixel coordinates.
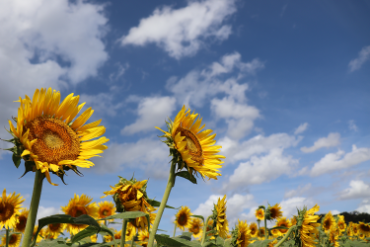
(47, 211)
(358, 189)
(364, 206)
(181, 32)
(298, 192)
(335, 212)
(332, 140)
(149, 155)
(102, 103)
(260, 170)
(363, 56)
(352, 125)
(289, 206)
(152, 111)
(121, 69)
(340, 160)
(301, 128)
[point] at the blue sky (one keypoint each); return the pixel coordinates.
(284, 84)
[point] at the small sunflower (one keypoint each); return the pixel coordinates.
(309, 227)
(243, 234)
(293, 220)
(78, 206)
(209, 226)
(49, 136)
(341, 224)
(275, 232)
(196, 227)
(9, 209)
(106, 209)
(283, 221)
(41, 234)
(222, 225)
(143, 238)
(328, 222)
(195, 146)
(254, 229)
(260, 214)
(275, 211)
(272, 243)
(355, 229)
(14, 240)
(22, 220)
(182, 220)
(364, 228)
(54, 230)
(261, 233)
(333, 236)
(349, 229)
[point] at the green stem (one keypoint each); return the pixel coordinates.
(133, 240)
(7, 237)
(174, 230)
(36, 194)
(166, 195)
(123, 234)
(205, 229)
(266, 230)
(285, 236)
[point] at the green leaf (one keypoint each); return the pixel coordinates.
(263, 243)
(155, 203)
(220, 241)
(278, 227)
(165, 240)
(187, 175)
(198, 216)
(16, 159)
(90, 230)
(129, 215)
(227, 243)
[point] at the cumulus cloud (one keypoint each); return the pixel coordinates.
(47, 211)
(301, 128)
(181, 32)
(332, 140)
(340, 160)
(289, 206)
(363, 56)
(152, 111)
(102, 103)
(357, 189)
(260, 170)
(297, 192)
(364, 206)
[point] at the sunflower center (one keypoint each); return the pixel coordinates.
(253, 230)
(56, 141)
(183, 219)
(54, 227)
(283, 224)
(78, 211)
(13, 239)
(6, 211)
(105, 212)
(21, 225)
(192, 144)
(327, 224)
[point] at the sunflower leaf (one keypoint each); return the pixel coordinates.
(165, 240)
(187, 175)
(88, 231)
(263, 243)
(278, 227)
(128, 215)
(155, 203)
(16, 159)
(198, 216)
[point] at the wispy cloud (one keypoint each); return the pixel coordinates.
(357, 63)
(352, 125)
(332, 140)
(301, 128)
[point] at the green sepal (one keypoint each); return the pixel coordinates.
(16, 159)
(155, 203)
(28, 165)
(187, 175)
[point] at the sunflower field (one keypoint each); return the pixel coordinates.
(50, 139)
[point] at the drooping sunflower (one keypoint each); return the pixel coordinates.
(49, 135)
(260, 214)
(309, 230)
(143, 238)
(183, 220)
(196, 227)
(222, 225)
(54, 230)
(78, 206)
(283, 221)
(22, 220)
(275, 211)
(327, 222)
(195, 146)
(14, 240)
(243, 234)
(364, 228)
(254, 229)
(106, 209)
(9, 209)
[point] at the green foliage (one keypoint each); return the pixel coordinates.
(165, 240)
(263, 243)
(88, 231)
(187, 175)
(155, 203)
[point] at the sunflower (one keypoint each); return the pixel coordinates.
(196, 227)
(222, 225)
(261, 233)
(243, 234)
(349, 229)
(293, 220)
(106, 209)
(143, 238)
(48, 135)
(78, 206)
(182, 220)
(53, 230)
(309, 227)
(333, 236)
(260, 214)
(355, 229)
(364, 228)
(341, 224)
(328, 222)
(9, 209)
(40, 235)
(272, 243)
(130, 232)
(275, 211)
(283, 221)
(22, 220)
(14, 240)
(195, 146)
(254, 229)
(209, 226)
(275, 232)
(94, 238)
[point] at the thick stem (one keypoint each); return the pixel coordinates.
(36, 194)
(205, 229)
(285, 236)
(7, 237)
(174, 230)
(123, 234)
(166, 195)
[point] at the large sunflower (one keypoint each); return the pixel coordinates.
(327, 222)
(196, 227)
(22, 220)
(78, 206)
(364, 228)
(14, 240)
(222, 225)
(54, 230)
(106, 209)
(182, 220)
(260, 214)
(48, 134)
(283, 221)
(254, 229)
(9, 209)
(243, 234)
(309, 227)
(275, 211)
(196, 146)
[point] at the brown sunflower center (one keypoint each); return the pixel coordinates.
(54, 227)
(327, 224)
(192, 144)
(56, 141)
(13, 239)
(274, 213)
(21, 225)
(78, 211)
(105, 212)
(283, 224)
(6, 211)
(253, 230)
(341, 225)
(182, 220)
